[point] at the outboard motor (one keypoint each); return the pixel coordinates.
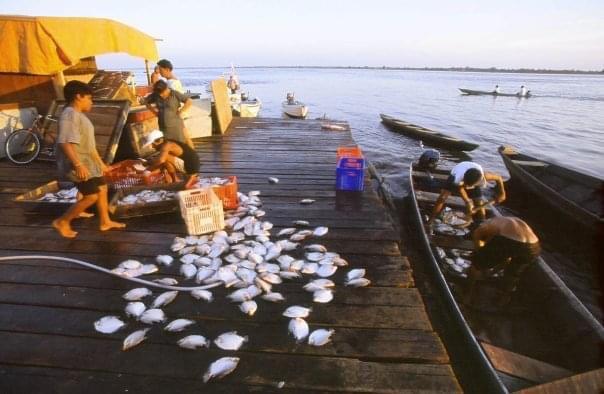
(429, 160)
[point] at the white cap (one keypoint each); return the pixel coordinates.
(152, 137)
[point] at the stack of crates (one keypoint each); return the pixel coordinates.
(201, 210)
(350, 171)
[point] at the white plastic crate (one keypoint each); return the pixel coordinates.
(201, 210)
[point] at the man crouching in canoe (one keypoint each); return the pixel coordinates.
(174, 157)
(466, 180)
(506, 243)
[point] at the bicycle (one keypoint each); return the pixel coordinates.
(25, 145)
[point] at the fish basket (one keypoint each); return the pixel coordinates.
(349, 151)
(350, 174)
(139, 209)
(122, 175)
(33, 199)
(227, 193)
(201, 210)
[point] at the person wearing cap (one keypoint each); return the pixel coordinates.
(168, 105)
(466, 180)
(174, 157)
(502, 243)
(78, 160)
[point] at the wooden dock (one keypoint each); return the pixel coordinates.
(384, 340)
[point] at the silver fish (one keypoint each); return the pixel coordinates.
(340, 262)
(191, 240)
(135, 309)
(188, 270)
(287, 245)
(248, 307)
(134, 339)
(255, 258)
(355, 274)
(164, 299)
(326, 270)
(324, 283)
(323, 296)
(178, 325)
(273, 252)
(137, 294)
(254, 193)
(201, 294)
(286, 231)
(189, 258)
(273, 297)
(307, 201)
(316, 248)
(273, 180)
(240, 295)
(232, 259)
(297, 311)
(271, 278)
(230, 341)
(166, 281)
(360, 282)
(203, 274)
(265, 286)
(315, 256)
(301, 223)
(108, 324)
(309, 268)
(229, 223)
(260, 250)
(130, 264)
(193, 342)
(285, 261)
(296, 265)
(320, 231)
(259, 213)
(221, 368)
(289, 275)
(151, 316)
(320, 337)
(298, 328)
(297, 238)
(164, 259)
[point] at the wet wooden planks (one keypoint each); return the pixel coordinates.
(384, 341)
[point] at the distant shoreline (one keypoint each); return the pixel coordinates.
(386, 68)
(450, 69)
(454, 69)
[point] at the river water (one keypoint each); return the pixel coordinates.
(563, 122)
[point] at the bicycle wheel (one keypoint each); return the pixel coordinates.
(22, 146)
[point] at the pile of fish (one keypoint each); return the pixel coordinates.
(213, 181)
(449, 223)
(250, 263)
(147, 196)
(454, 261)
(62, 196)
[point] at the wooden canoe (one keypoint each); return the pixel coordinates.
(576, 196)
(429, 137)
(505, 348)
(486, 93)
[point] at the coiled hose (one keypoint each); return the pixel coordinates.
(106, 271)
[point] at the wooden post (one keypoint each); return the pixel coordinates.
(147, 70)
(58, 81)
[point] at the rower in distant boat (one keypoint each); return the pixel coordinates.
(466, 179)
(496, 90)
(502, 243)
(523, 91)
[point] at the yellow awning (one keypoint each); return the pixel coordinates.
(47, 45)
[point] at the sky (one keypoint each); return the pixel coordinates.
(553, 34)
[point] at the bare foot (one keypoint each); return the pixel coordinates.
(64, 228)
(111, 224)
(85, 215)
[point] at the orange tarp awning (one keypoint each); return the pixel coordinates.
(47, 45)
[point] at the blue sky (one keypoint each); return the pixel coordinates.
(433, 33)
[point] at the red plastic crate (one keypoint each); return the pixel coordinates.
(123, 175)
(228, 193)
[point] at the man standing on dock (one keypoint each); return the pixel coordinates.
(506, 243)
(78, 160)
(466, 180)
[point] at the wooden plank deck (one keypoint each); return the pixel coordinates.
(384, 341)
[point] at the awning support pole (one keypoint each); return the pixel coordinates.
(148, 75)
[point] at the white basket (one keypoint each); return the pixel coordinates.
(201, 210)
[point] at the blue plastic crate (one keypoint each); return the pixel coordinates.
(350, 179)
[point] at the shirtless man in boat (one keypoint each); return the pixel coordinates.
(466, 180)
(506, 243)
(174, 157)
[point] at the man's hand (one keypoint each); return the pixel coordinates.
(82, 172)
